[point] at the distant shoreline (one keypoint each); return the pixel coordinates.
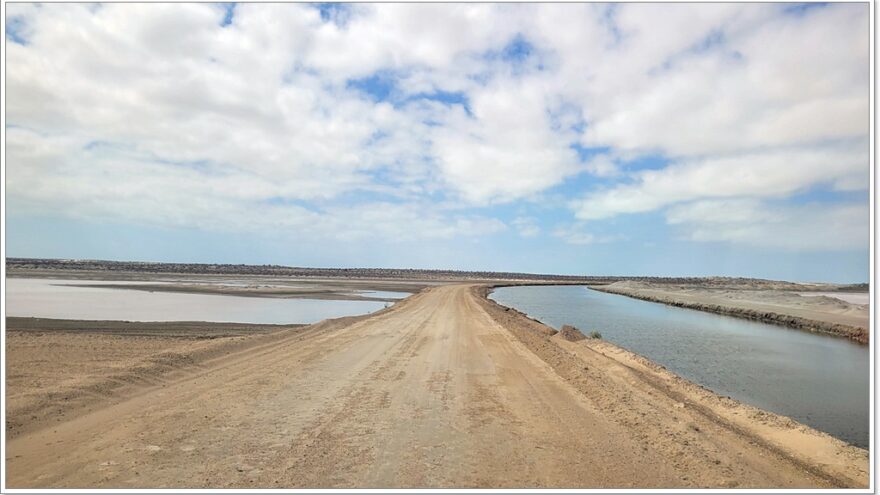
(856, 333)
(37, 266)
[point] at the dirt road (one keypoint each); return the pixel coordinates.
(431, 392)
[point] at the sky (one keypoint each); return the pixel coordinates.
(595, 139)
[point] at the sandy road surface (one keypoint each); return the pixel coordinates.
(432, 392)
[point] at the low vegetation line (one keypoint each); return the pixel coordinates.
(858, 334)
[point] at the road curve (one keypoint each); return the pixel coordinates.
(432, 392)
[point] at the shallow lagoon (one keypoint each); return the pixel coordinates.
(54, 298)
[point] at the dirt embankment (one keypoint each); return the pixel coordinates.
(813, 314)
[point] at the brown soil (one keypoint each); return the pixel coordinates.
(571, 333)
(444, 389)
(58, 369)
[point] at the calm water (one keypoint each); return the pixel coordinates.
(383, 294)
(50, 298)
(818, 380)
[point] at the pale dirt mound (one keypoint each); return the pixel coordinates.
(571, 334)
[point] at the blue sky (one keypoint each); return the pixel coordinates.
(729, 139)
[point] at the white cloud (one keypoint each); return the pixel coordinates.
(401, 222)
(717, 79)
(527, 226)
(602, 166)
(402, 35)
(576, 234)
(159, 110)
(125, 187)
(778, 173)
(507, 149)
(798, 228)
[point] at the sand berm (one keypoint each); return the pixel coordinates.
(444, 389)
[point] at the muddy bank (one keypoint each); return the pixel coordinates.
(686, 420)
(857, 333)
